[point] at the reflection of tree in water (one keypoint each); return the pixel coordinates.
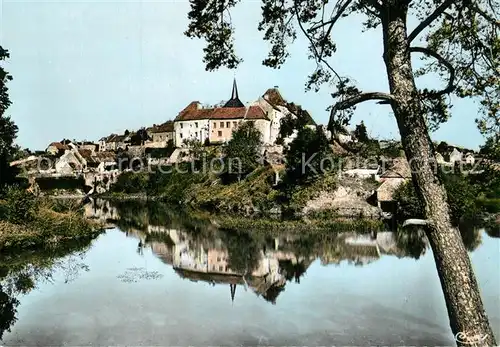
(8, 310)
(20, 272)
(243, 251)
(292, 270)
(471, 235)
(412, 241)
(272, 293)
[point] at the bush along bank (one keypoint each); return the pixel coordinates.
(27, 222)
(471, 198)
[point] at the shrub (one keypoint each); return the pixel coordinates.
(131, 183)
(462, 199)
(21, 206)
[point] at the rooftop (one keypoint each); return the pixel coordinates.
(196, 113)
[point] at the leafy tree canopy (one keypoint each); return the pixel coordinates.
(8, 129)
(308, 156)
(242, 151)
(457, 40)
(361, 133)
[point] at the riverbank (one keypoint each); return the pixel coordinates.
(259, 193)
(41, 224)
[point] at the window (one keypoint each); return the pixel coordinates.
(221, 268)
(234, 124)
(196, 134)
(181, 125)
(219, 133)
(221, 125)
(215, 125)
(219, 259)
(196, 124)
(181, 135)
(228, 124)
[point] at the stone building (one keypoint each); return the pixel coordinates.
(163, 133)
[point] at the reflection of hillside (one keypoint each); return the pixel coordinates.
(102, 211)
(198, 251)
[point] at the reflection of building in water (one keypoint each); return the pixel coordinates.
(208, 260)
(102, 211)
(362, 249)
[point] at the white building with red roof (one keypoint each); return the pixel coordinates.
(216, 124)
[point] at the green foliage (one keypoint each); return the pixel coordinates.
(21, 207)
(246, 197)
(308, 157)
(241, 154)
(292, 123)
(361, 133)
(139, 138)
(131, 183)
(8, 129)
(173, 187)
(491, 148)
(297, 196)
(462, 198)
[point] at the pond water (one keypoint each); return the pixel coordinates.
(157, 278)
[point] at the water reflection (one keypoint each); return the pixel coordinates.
(232, 262)
(20, 272)
(198, 251)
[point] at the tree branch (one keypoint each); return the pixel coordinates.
(313, 46)
(359, 98)
(451, 82)
(485, 15)
(434, 15)
(334, 19)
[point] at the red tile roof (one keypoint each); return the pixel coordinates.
(166, 127)
(85, 153)
(59, 146)
(192, 112)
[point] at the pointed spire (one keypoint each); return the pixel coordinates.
(234, 101)
(233, 291)
(234, 95)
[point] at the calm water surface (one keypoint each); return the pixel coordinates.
(155, 279)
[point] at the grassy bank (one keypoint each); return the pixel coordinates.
(30, 223)
(257, 192)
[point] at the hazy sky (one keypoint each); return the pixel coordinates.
(85, 69)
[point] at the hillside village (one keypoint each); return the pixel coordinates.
(170, 142)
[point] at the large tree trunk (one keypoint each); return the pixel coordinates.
(468, 319)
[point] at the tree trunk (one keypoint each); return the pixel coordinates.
(468, 319)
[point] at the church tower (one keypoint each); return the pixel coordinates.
(234, 101)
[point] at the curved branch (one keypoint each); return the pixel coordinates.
(451, 81)
(359, 98)
(426, 22)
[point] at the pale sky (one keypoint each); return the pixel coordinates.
(85, 69)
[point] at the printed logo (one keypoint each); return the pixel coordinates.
(470, 339)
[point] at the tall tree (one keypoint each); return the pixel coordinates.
(361, 133)
(457, 40)
(8, 129)
(242, 151)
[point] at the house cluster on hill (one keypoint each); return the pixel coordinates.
(195, 123)
(211, 125)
